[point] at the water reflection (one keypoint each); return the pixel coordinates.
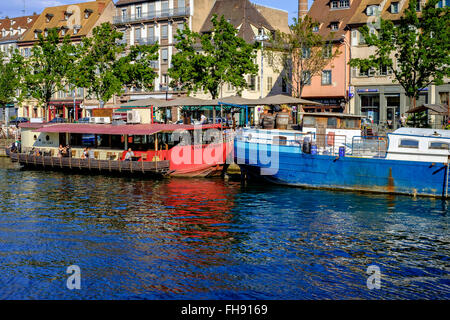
(213, 239)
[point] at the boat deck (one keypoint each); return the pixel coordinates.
(132, 167)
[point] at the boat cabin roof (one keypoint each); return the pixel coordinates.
(331, 114)
(423, 132)
(129, 129)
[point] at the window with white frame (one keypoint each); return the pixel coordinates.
(334, 26)
(165, 55)
(326, 77)
(164, 31)
(139, 12)
(394, 7)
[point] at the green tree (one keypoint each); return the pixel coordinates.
(209, 61)
(11, 71)
(104, 67)
(48, 67)
(301, 54)
(416, 48)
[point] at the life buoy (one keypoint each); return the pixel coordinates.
(330, 138)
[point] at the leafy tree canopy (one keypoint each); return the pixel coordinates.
(208, 61)
(416, 49)
(104, 67)
(301, 54)
(11, 70)
(47, 69)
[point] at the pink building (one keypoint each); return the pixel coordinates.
(331, 88)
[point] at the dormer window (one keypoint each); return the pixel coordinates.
(46, 33)
(67, 15)
(340, 4)
(36, 33)
(63, 30)
(49, 17)
(13, 22)
(334, 26)
(394, 7)
(87, 13)
(3, 33)
(29, 20)
(76, 29)
(371, 10)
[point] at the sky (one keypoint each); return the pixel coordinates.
(15, 8)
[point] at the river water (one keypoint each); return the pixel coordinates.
(214, 239)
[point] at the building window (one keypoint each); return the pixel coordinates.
(315, 29)
(326, 77)
(371, 10)
(344, 3)
(394, 7)
(443, 3)
(165, 79)
(87, 13)
(124, 13)
(165, 55)
(165, 7)
(138, 12)
(252, 83)
(306, 53)
(418, 6)
(306, 77)
(334, 26)
(269, 84)
(334, 4)
(283, 85)
(164, 31)
(137, 33)
(327, 51)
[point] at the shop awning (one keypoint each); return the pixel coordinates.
(436, 109)
(135, 129)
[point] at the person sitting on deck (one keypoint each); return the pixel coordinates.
(61, 151)
(129, 155)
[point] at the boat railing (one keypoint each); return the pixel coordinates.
(369, 146)
(323, 144)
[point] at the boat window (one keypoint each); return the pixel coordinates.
(309, 121)
(439, 145)
(280, 140)
(409, 143)
(348, 124)
(332, 123)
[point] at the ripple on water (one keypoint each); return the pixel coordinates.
(212, 239)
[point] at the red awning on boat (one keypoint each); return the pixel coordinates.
(134, 129)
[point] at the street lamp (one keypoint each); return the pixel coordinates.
(345, 42)
(261, 38)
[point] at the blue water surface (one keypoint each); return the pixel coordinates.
(213, 239)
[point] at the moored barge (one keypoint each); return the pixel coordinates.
(163, 149)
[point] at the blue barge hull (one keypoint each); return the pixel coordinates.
(349, 173)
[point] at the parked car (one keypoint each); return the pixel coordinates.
(18, 120)
(58, 120)
(83, 120)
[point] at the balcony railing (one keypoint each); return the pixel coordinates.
(148, 40)
(176, 12)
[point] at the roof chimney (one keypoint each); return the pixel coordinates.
(302, 8)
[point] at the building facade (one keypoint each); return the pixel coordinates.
(252, 22)
(11, 31)
(78, 21)
(376, 94)
(157, 22)
(331, 87)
